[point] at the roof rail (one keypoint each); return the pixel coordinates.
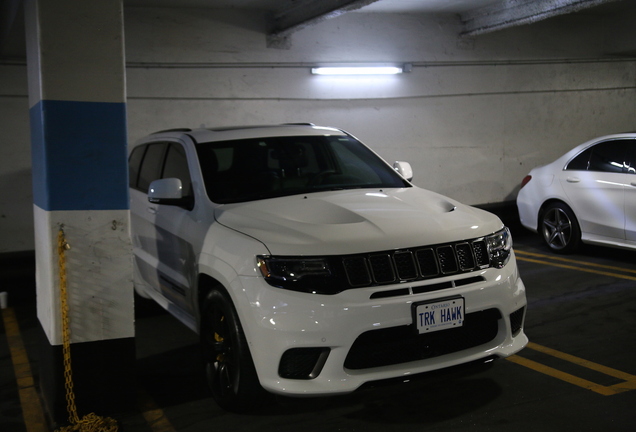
(229, 128)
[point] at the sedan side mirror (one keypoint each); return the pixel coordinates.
(404, 169)
(169, 191)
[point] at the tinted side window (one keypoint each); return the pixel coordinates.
(151, 165)
(134, 162)
(581, 162)
(608, 157)
(630, 158)
(176, 166)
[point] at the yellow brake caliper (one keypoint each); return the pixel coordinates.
(217, 337)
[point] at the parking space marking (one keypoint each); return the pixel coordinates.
(589, 267)
(32, 411)
(629, 381)
(154, 416)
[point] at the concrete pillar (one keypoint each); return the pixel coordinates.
(76, 68)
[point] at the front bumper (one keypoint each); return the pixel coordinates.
(319, 331)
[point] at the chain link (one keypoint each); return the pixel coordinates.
(90, 422)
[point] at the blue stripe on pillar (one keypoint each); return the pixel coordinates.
(79, 153)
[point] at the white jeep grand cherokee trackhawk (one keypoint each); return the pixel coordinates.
(309, 266)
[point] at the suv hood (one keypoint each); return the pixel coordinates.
(356, 221)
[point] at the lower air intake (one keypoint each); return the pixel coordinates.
(397, 345)
(302, 363)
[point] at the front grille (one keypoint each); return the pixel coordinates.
(390, 267)
(397, 345)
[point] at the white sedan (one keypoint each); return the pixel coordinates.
(587, 195)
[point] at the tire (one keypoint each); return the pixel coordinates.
(560, 229)
(229, 368)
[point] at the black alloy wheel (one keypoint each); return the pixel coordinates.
(229, 368)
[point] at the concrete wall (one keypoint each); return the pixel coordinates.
(473, 116)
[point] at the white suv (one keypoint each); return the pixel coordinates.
(309, 266)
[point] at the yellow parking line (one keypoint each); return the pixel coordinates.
(155, 416)
(628, 384)
(629, 381)
(32, 411)
(563, 376)
(582, 269)
(582, 362)
(568, 260)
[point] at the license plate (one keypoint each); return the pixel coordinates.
(439, 315)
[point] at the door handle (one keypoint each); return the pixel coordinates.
(572, 179)
(152, 210)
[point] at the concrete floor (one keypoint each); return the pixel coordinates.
(584, 309)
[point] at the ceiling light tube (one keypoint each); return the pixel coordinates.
(357, 70)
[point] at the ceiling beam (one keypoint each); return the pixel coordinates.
(509, 13)
(304, 13)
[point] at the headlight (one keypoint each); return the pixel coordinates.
(311, 274)
(499, 247)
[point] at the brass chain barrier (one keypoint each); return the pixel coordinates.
(90, 422)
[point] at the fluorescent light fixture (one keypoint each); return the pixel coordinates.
(357, 70)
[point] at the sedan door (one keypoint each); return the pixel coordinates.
(630, 192)
(594, 183)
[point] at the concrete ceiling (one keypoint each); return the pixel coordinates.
(290, 16)
(385, 6)
(478, 16)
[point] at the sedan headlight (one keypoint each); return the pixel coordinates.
(499, 247)
(305, 274)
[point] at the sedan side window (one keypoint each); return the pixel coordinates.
(608, 157)
(630, 159)
(580, 162)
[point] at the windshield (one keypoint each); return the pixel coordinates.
(251, 169)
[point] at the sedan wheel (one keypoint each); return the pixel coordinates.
(560, 228)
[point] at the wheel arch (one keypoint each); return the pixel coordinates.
(205, 285)
(549, 202)
(568, 244)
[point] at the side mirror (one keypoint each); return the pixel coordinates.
(404, 169)
(169, 191)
